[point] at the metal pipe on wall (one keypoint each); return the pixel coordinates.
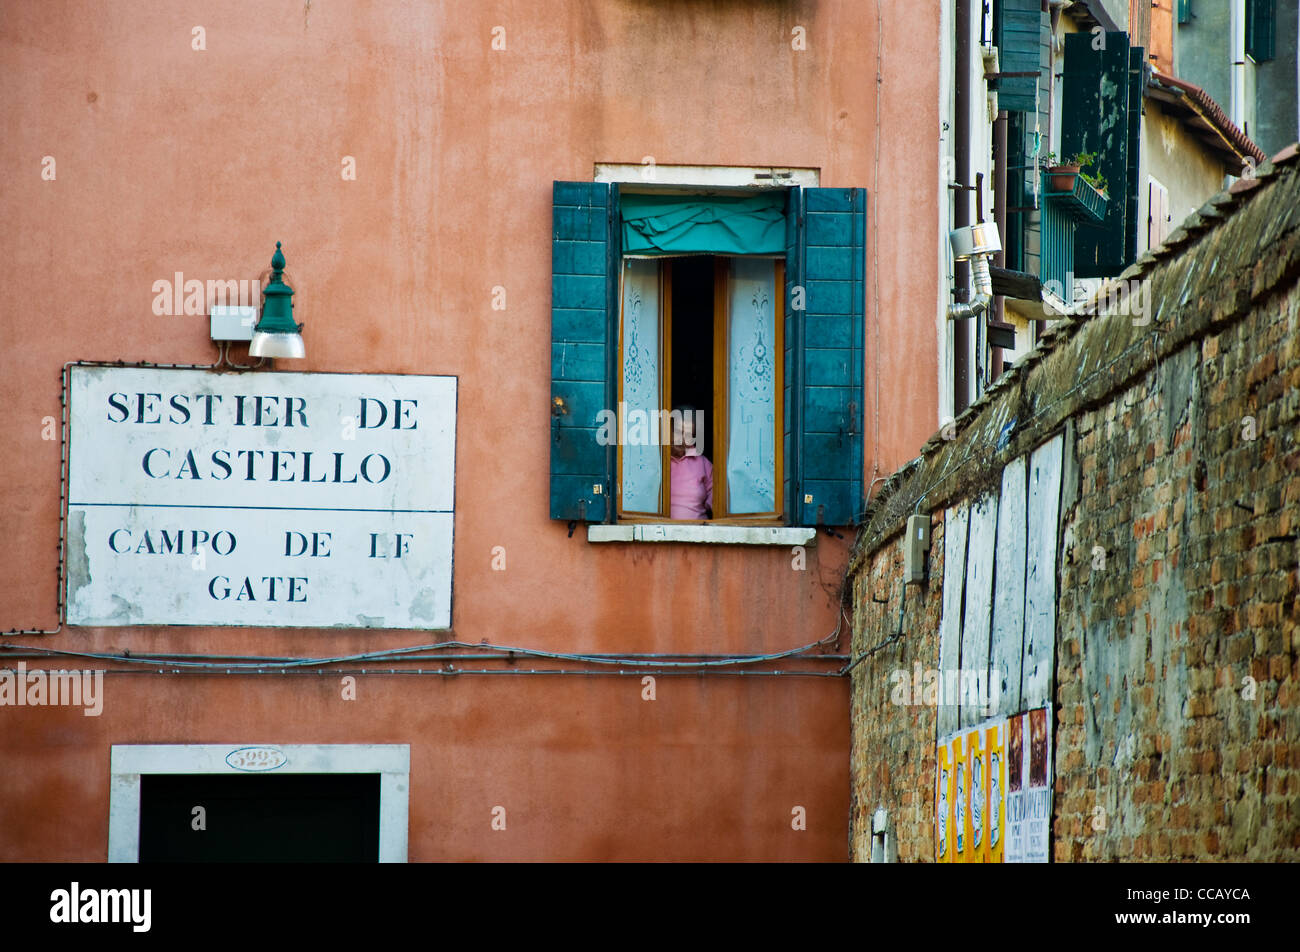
(961, 208)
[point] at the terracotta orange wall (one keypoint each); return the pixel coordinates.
(1160, 51)
(171, 159)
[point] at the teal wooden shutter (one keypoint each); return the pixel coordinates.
(1261, 29)
(584, 301)
(1019, 37)
(1184, 11)
(795, 304)
(830, 261)
(1099, 116)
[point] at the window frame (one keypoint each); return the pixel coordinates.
(824, 401)
(128, 762)
(721, 370)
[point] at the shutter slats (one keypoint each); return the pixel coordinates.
(1019, 40)
(829, 358)
(582, 290)
(827, 228)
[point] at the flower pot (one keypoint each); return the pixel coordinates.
(1063, 177)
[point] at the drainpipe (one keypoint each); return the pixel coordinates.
(961, 210)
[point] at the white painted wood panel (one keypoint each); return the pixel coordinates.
(1009, 587)
(1040, 573)
(954, 579)
(980, 546)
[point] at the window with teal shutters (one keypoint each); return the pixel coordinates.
(584, 291)
(828, 263)
(824, 333)
(1101, 115)
(1261, 29)
(1019, 32)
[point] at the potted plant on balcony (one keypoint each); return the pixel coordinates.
(1064, 173)
(1096, 180)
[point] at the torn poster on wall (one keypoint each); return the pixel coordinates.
(993, 796)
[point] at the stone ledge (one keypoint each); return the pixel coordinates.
(713, 535)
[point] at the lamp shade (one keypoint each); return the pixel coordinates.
(276, 334)
(276, 345)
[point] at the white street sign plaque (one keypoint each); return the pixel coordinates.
(260, 499)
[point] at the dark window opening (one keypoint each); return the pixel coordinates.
(692, 340)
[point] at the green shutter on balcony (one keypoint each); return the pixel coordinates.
(828, 261)
(584, 288)
(1019, 37)
(1184, 11)
(1261, 29)
(1101, 113)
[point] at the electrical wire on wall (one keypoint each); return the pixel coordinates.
(658, 665)
(892, 639)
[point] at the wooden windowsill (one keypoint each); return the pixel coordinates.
(700, 533)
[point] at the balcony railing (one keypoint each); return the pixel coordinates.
(1063, 212)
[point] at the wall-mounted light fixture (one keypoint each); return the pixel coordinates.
(276, 334)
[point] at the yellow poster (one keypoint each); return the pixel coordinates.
(961, 800)
(943, 848)
(977, 795)
(974, 786)
(995, 751)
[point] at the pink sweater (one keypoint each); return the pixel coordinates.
(692, 486)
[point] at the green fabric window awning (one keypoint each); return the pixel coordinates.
(688, 224)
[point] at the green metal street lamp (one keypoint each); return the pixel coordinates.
(276, 334)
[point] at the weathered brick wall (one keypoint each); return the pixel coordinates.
(1189, 484)
(1177, 654)
(891, 768)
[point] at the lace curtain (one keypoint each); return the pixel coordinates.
(642, 460)
(751, 387)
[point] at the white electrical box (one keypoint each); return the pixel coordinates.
(233, 322)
